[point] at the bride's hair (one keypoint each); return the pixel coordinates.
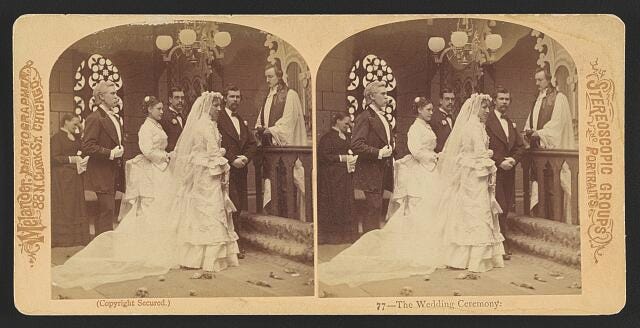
(217, 98)
(148, 102)
(420, 102)
(216, 105)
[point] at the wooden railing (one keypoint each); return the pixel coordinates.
(277, 164)
(545, 167)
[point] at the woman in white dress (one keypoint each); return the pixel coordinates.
(472, 235)
(147, 171)
(409, 242)
(206, 234)
(442, 217)
(175, 211)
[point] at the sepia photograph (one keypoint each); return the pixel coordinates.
(448, 162)
(382, 164)
(181, 164)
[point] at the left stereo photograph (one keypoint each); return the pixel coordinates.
(181, 164)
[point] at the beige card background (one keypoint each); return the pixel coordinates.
(42, 38)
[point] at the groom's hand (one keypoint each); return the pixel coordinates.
(506, 165)
(238, 163)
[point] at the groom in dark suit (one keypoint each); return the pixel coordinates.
(102, 142)
(372, 140)
(442, 120)
(240, 147)
(507, 146)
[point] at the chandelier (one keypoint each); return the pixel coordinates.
(470, 42)
(195, 40)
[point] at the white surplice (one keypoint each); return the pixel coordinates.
(289, 130)
(556, 134)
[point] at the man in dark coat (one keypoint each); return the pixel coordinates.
(442, 120)
(240, 147)
(102, 142)
(372, 141)
(507, 146)
(173, 120)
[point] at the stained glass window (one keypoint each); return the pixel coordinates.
(89, 73)
(370, 68)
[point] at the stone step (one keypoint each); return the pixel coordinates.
(563, 234)
(282, 228)
(285, 248)
(549, 250)
(286, 237)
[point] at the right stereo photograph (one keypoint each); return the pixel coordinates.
(447, 162)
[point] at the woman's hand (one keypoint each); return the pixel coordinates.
(489, 153)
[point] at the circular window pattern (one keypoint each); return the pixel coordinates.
(371, 68)
(103, 70)
(378, 70)
(354, 79)
(79, 105)
(79, 78)
(353, 106)
(89, 73)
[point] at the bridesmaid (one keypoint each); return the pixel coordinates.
(69, 225)
(146, 174)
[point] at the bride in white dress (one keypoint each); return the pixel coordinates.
(206, 235)
(438, 217)
(175, 210)
(472, 235)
